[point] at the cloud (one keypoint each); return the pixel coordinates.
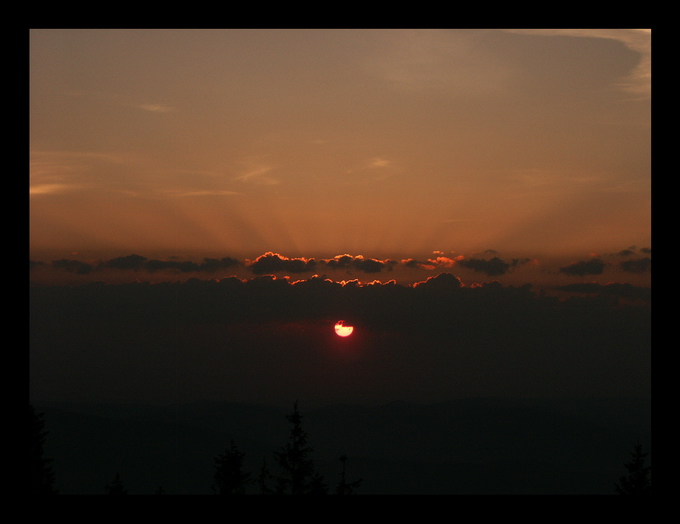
(438, 283)
(156, 108)
(202, 193)
(339, 262)
(493, 267)
(120, 100)
(439, 61)
(639, 81)
(582, 268)
(270, 263)
(209, 265)
(370, 265)
(374, 169)
(234, 338)
(53, 172)
(442, 261)
(129, 262)
(622, 290)
(417, 264)
(641, 265)
(73, 266)
(379, 162)
(32, 264)
(141, 263)
(367, 265)
(257, 173)
(47, 189)
(440, 305)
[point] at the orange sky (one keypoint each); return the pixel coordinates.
(384, 143)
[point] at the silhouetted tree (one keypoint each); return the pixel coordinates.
(115, 487)
(317, 485)
(42, 476)
(344, 487)
(230, 479)
(263, 479)
(638, 481)
(298, 474)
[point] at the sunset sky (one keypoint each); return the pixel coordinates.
(386, 144)
(475, 203)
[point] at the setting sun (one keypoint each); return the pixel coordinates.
(342, 330)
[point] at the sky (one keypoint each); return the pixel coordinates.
(476, 204)
(392, 145)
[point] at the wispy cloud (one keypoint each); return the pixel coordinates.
(53, 172)
(372, 163)
(257, 173)
(419, 60)
(373, 169)
(156, 108)
(61, 171)
(639, 81)
(46, 189)
(202, 193)
(379, 162)
(120, 100)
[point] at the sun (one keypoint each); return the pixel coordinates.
(342, 330)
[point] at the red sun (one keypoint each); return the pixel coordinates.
(343, 330)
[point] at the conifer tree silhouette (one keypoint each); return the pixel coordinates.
(298, 474)
(637, 482)
(115, 487)
(263, 479)
(344, 487)
(42, 476)
(230, 479)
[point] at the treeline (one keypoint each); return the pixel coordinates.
(294, 473)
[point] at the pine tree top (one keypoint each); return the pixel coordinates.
(638, 481)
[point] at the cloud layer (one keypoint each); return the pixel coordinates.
(352, 266)
(272, 339)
